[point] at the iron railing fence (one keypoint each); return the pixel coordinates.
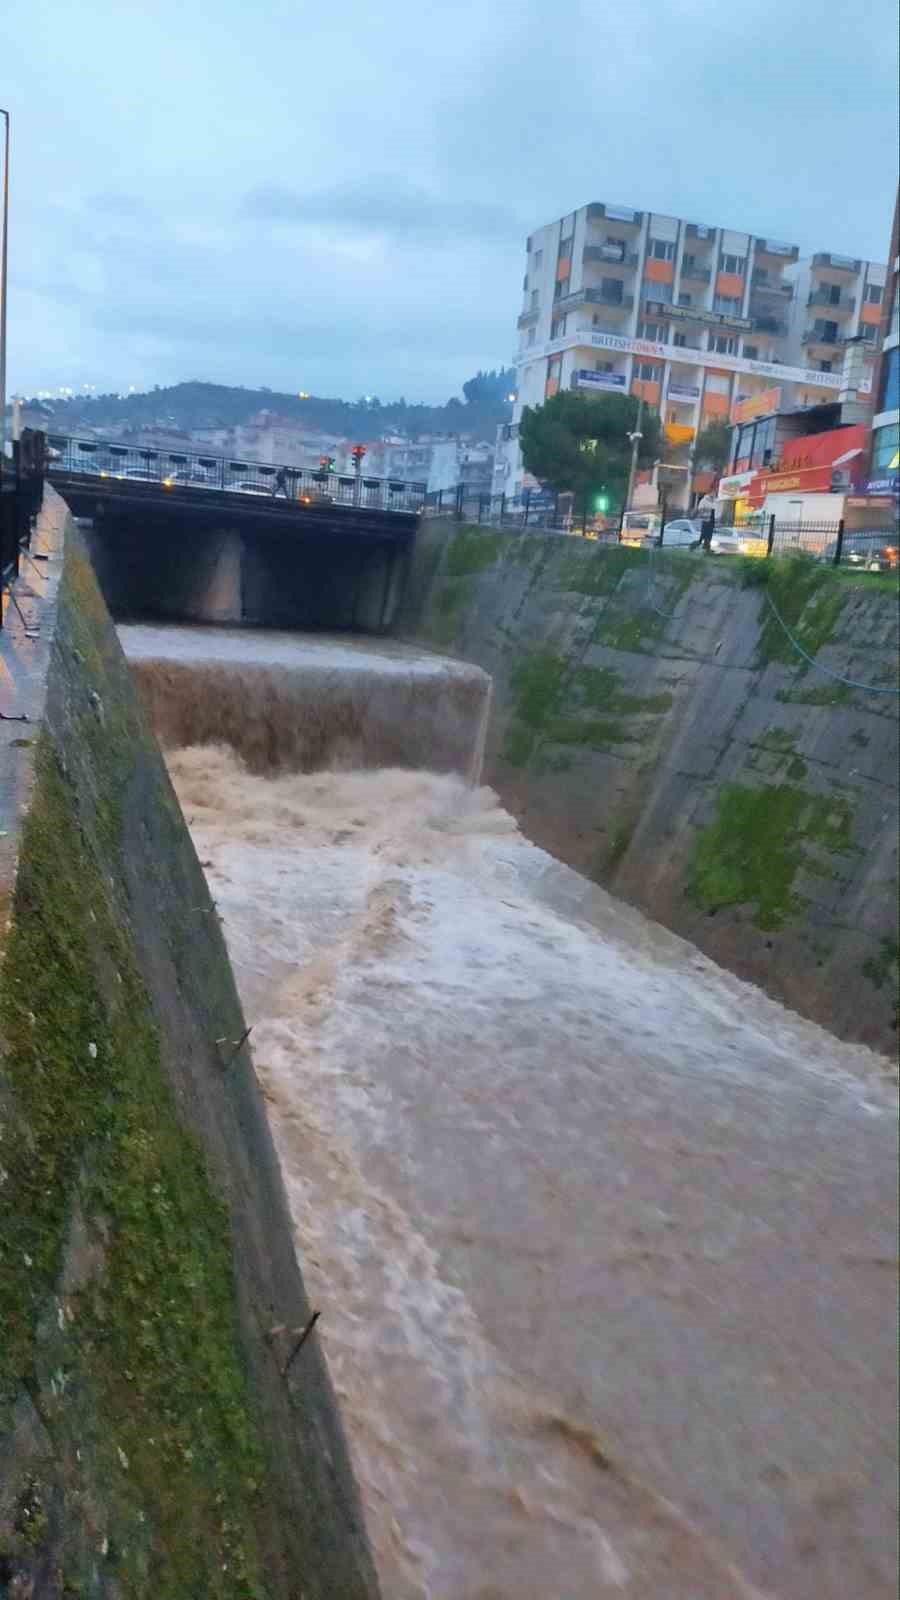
(196, 470)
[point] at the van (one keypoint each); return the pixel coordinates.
(640, 528)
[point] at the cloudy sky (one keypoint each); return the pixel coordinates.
(336, 198)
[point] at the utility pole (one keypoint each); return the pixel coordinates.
(635, 438)
(3, 279)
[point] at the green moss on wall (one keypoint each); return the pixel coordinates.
(471, 550)
(150, 1383)
(809, 601)
(751, 852)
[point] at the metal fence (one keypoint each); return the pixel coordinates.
(21, 493)
(178, 470)
(551, 513)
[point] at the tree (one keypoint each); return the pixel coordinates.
(580, 444)
(713, 447)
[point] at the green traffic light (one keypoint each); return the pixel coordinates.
(601, 502)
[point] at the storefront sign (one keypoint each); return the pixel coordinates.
(712, 319)
(809, 478)
(694, 358)
(757, 405)
(600, 380)
(888, 483)
(683, 391)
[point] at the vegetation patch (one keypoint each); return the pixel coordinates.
(808, 602)
(145, 1345)
(831, 693)
(759, 839)
(471, 550)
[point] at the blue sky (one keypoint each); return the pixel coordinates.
(338, 201)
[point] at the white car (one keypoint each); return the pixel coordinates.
(737, 542)
(682, 531)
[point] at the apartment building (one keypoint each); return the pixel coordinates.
(693, 317)
(884, 466)
(837, 299)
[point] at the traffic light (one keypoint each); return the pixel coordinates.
(326, 463)
(601, 502)
(357, 453)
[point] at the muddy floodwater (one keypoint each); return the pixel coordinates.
(603, 1239)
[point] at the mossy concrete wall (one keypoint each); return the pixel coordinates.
(150, 1445)
(654, 728)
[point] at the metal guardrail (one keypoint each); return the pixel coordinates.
(192, 470)
(21, 494)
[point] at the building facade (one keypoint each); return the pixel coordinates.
(884, 464)
(694, 318)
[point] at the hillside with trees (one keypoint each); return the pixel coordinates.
(192, 405)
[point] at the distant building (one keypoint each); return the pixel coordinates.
(694, 318)
(884, 464)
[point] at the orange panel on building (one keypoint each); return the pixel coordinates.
(730, 284)
(715, 405)
(563, 267)
(551, 387)
(659, 271)
(644, 390)
(871, 314)
(821, 449)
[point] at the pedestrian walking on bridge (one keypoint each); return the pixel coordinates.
(281, 482)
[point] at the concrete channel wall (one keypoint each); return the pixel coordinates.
(654, 728)
(154, 1440)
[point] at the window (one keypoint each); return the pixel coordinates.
(734, 264)
(681, 340)
(652, 330)
(874, 294)
(825, 332)
(611, 291)
(661, 292)
(538, 260)
(565, 248)
(869, 331)
(723, 344)
(535, 296)
(688, 263)
(751, 352)
(558, 328)
(610, 240)
(889, 399)
(525, 281)
(685, 300)
(834, 293)
(724, 303)
(531, 332)
(603, 366)
(885, 444)
(661, 250)
(647, 371)
(824, 366)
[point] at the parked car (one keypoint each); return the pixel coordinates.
(681, 531)
(640, 528)
(737, 542)
(875, 551)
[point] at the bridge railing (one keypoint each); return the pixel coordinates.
(198, 470)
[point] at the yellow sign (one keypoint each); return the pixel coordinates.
(756, 405)
(678, 432)
(791, 481)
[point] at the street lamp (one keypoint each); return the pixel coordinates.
(3, 261)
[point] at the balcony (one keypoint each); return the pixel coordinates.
(695, 274)
(623, 215)
(847, 264)
(775, 247)
(763, 323)
(763, 284)
(593, 297)
(822, 297)
(528, 318)
(817, 336)
(610, 255)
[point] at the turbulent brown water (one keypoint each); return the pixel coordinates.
(602, 1237)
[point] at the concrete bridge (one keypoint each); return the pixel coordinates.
(189, 537)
